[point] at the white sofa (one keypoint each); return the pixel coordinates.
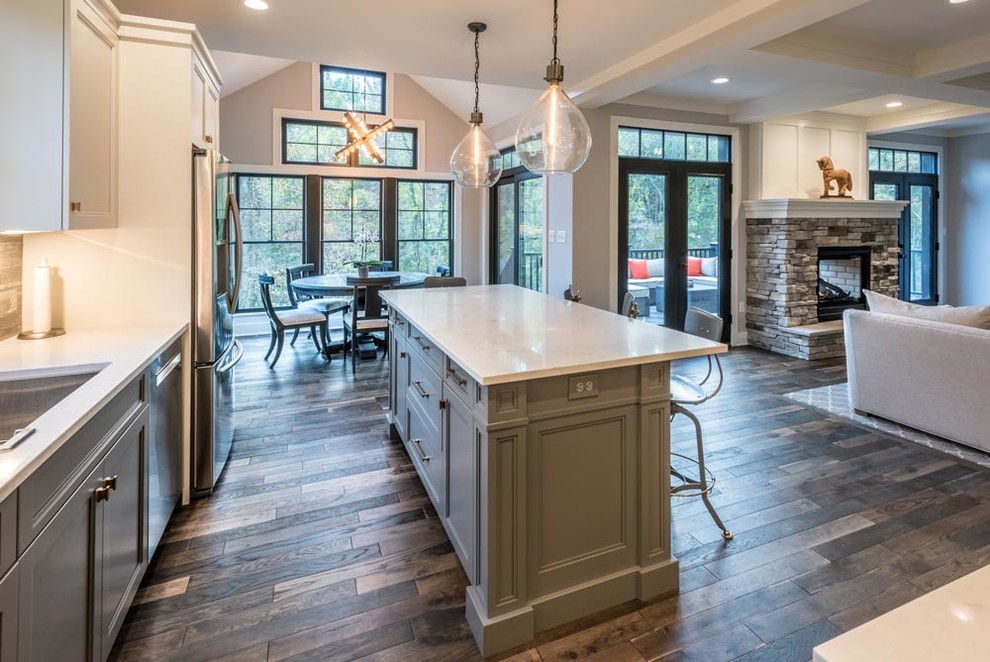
(928, 375)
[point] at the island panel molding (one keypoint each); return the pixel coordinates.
(556, 506)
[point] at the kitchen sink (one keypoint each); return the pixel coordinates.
(26, 395)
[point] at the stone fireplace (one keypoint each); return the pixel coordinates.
(792, 247)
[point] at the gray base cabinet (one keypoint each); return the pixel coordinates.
(8, 615)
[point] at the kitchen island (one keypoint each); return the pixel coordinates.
(540, 430)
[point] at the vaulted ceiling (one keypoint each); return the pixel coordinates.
(783, 57)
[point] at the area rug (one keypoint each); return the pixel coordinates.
(834, 400)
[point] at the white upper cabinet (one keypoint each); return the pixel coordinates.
(93, 119)
(205, 107)
(58, 117)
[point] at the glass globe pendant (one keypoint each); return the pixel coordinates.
(553, 136)
(476, 161)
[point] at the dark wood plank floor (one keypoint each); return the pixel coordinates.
(319, 542)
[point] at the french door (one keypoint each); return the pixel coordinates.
(517, 231)
(918, 232)
(674, 230)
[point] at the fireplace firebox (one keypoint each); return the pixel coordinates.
(843, 274)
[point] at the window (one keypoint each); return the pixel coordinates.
(352, 222)
(517, 228)
(315, 142)
(272, 222)
(902, 160)
(424, 228)
(673, 145)
(352, 89)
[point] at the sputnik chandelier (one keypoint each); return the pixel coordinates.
(363, 138)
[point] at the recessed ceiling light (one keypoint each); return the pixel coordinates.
(721, 80)
(894, 104)
(957, 2)
(259, 5)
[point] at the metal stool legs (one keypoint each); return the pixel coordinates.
(705, 483)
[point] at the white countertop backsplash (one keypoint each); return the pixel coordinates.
(504, 333)
(124, 351)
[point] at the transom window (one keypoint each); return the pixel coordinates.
(352, 89)
(673, 145)
(315, 142)
(903, 160)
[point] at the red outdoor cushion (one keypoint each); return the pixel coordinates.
(638, 269)
(694, 266)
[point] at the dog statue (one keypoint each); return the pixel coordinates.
(831, 174)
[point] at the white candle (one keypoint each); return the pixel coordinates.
(42, 313)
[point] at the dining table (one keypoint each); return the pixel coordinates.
(329, 285)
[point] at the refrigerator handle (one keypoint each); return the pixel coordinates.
(234, 215)
(238, 352)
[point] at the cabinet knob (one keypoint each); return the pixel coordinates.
(75, 206)
(208, 139)
(102, 494)
(110, 483)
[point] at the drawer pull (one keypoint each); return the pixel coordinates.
(102, 494)
(402, 355)
(443, 404)
(419, 449)
(419, 340)
(399, 321)
(419, 387)
(453, 375)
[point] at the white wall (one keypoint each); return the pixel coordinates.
(785, 153)
(968, 221)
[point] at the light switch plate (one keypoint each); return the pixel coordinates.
(552, 236)
(561, 236)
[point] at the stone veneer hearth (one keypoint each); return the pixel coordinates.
(783, 238)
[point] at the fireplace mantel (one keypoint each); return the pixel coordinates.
(811, 208)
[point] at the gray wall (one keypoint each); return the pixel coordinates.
(11, 252)
(968, 221)
(246, 120)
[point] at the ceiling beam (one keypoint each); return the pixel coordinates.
(923, 118)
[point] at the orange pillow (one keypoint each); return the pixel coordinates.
(694, 266)
(638, 269)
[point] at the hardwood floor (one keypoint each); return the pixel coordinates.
(319, 542)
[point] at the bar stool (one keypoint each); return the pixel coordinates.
(685, 392)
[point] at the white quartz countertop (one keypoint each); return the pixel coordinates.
(119, 355)
(949, 623)
(504, 333)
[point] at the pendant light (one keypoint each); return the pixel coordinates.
(476, 161)
(553, 136)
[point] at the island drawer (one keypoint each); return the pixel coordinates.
(424, 391)
(400, 326)
(459, 381)
(51, 485)
(424, 446)
(426, 348)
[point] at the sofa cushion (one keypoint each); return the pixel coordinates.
(655, 267)
(694, 266)
(637, 269)
(974, 316)
(709, 266)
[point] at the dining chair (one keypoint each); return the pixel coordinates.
(294, 318)
(444, 281)
(630, 308)
(325, 305)
(685, 392)
(443, 270)
(386, 265)
(367, 313)
(572, 294)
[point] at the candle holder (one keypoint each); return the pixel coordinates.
(40, 335)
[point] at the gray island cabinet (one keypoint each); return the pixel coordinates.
(539, 428)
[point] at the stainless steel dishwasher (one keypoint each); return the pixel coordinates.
(165, 449)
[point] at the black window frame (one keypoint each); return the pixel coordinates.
(353, 161)
(397, 240)
(721, 140)
(367, 73)
(515, 174)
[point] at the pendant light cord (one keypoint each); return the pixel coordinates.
(555, 60)
(477, 66)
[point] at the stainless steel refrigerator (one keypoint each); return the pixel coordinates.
(217, 250)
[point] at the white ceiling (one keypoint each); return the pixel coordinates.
(785, 57)
(239, 70)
